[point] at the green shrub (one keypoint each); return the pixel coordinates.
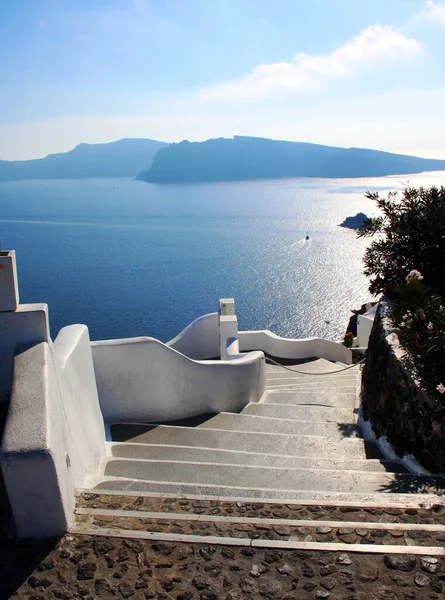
(407, 262)
(410, 235)
(419, 316)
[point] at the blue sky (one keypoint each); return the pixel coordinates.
(365, 73)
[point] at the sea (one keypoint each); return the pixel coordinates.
(130, 258)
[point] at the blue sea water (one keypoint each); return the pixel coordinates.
(129, 258)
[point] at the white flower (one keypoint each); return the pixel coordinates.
(441, 388)
(430, 326)
(414, 275)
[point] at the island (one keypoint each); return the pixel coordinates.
(354, 222)
(123, 158)
(244, 158)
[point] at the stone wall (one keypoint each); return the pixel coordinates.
(394, 403)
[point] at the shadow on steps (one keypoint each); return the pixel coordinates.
(403, 484)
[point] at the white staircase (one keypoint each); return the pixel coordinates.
(300, 443)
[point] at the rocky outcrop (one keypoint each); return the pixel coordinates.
(394, 402)
(244, 158)
(354, 222)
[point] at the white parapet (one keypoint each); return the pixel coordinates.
(364, 326)
(200, 339)
(143, 380)
(54, 437)
(279, 347)
(27, 325)
(20, 324)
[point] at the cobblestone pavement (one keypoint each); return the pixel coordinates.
(246, 508)
(100, 567)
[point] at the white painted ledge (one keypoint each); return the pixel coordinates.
(280, 347)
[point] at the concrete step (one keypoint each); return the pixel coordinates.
(270, 479)
(311, 398)
(254, 477)
(242, 441)
(327, 380)
(128, 486)
(301, 413)
(317, 385)
(245, 422)
(314, 366)
(232, 457)
(274, 386)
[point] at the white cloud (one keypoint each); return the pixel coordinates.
(376, 43)
(434, 12)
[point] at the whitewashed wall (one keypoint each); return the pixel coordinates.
(142, 379)
(280, 347)
(200, 339)
(54, 436)
(28, 324)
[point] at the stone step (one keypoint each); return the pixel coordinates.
(254, 423)
(314, 376)
(301, 413)
(306, 387)
(313, 379)
(242, 441)
(257, 477)
(244, 494)
(231, 457)
(315, 366)
(298, 397)
(428, 514)
(345, 532)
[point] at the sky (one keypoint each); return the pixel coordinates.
(352, 73)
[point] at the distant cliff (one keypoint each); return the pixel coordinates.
(124, 158)
(244, 158)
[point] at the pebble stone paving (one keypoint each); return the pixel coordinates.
(431, 515)
(99, 567)
(95, 567)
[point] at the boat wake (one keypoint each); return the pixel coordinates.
(300, 243)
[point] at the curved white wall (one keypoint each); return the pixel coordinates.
(200, 339)
(142, 379)
(54, 436)
(280, 347)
